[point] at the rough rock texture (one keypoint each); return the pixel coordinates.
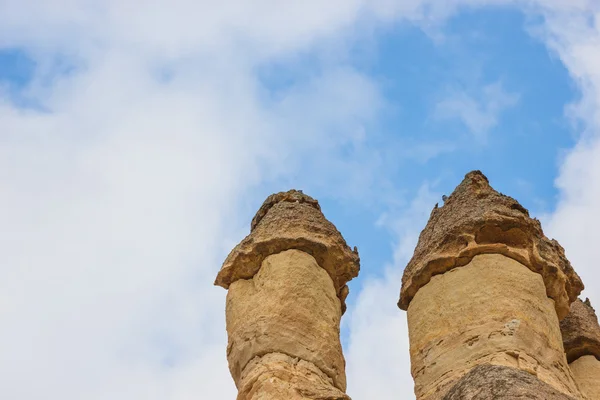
(287, 287)
(486, 382)
(586, 370)
(581, 332)
(581, 338)
(289, 307)
(278, 376)
(476, 219)
(292, 220)
(493, 310)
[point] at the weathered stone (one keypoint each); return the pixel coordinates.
(290, 307)
(586, 370)
(494, 310)
(292, 220)
(476, 219)
(287, 288)
(581, 338)
(486, 382)
(278, 376)
(581, 332)
(291, 196)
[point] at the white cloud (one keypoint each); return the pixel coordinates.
(112, 207)
(576, 39)
(575, 222)
(122, 187)
(478, 110)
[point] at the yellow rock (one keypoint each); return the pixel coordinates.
(289, 307)
(278, 376)
(493, 310)
(586, 371)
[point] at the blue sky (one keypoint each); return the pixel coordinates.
(520, 152)
(136, 146)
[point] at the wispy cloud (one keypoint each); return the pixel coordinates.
(575, 37)
(377, 354)
(479, 110)
(121, 194)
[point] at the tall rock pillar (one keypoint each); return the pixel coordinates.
(484, 293)
(287, 290)
(581, 338)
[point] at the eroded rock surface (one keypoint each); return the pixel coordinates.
(486, 382)
(581, 332)
(476, 219)
(292, 220)
(581, 338)
(494, 310)
(278, 376)
(289, 307)
(586, 370)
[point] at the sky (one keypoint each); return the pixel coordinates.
(136, 144)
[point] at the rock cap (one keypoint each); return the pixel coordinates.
(476, 219)
(292, 220)
(580, 331)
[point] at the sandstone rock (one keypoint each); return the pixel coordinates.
(278, 376)
(486, 382)
(287, 288)
(292, 220)
(476, 219)
(581, 332)
(494, 310)
(586, 370)
(290, 307)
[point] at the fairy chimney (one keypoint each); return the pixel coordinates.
(286, 294)
(484, 293)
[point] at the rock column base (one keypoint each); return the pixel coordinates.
(278, 376)
(486, 382)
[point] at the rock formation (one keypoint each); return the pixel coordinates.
(485, 287)
(491, 304)
(287, 290)
(581, 338)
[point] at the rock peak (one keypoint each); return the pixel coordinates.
(476, 219)
(476, 175)
(589, 304)
(292, 196)
(475, 184)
